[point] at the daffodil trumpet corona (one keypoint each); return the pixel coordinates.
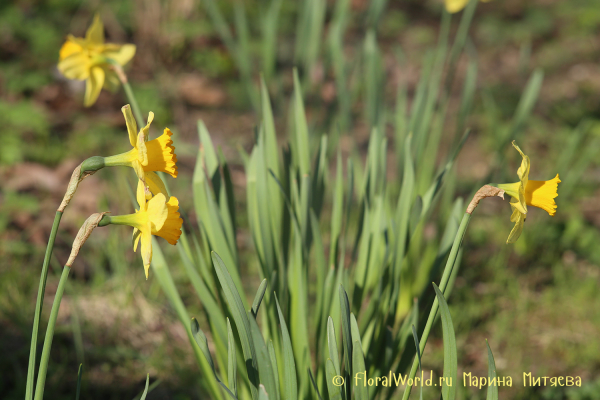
(528, 192)
(90, 59)
(158, 216)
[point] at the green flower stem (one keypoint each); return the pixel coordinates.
(39, 390)
(130, 96)
(434, 308)
(38, 307)
(134, 104)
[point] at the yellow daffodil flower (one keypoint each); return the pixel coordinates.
(89, 59)
(157, 217)
(454, 6)
(147, 156)
(527, 192)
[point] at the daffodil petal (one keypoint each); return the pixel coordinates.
(68, 48)
(75, 66)
(146, 248)
(454, 6)
(131, 124)
(157, 211)
(135, 238)
(523, 171)
(141, 148)
(95, 33)
(122, 54)
(519, 219)
(140, 193)
(93, 86)
(147, 127)
(155, 184)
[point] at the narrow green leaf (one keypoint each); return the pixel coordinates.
(202, 342)
(346, 329)
(526, 103)
(302, 142)
(418, 349)
(337, 211)
(231, 360)
(274, 365)
(241, 321)
(415, 214)
(332, 346)
(262, 394)
(260, 293)
(290, 384)
(312, 380)
(416, 337)
(146, 388)
(450, 356)
(361, 388)
(79, 372)
(437, 183)
(334, 381)
(160, 268)
(263, 359)
(354, 330)
(492, 391)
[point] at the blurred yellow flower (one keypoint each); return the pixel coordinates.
(157, 217)
(89, 59)
(147, 156)
(527, 192)
(454, 6)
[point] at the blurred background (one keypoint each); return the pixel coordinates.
(536, 302)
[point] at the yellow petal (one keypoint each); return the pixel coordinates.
(519, 219)
(122, 54)
(523, 171)
(93, 86)
(130, 122)
(157, 211)
(95, 33)
(453, 6)
(142, 138)
(542, 194)
(147, 127)
(137, 234)
(155, 184)
(140, 193)
(142, 150)
(146, 248)
(69, 48)
(518, 206)
(75, 66)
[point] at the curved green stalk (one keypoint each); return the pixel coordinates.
(38, 307)
(39, 389)
(434, 308)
